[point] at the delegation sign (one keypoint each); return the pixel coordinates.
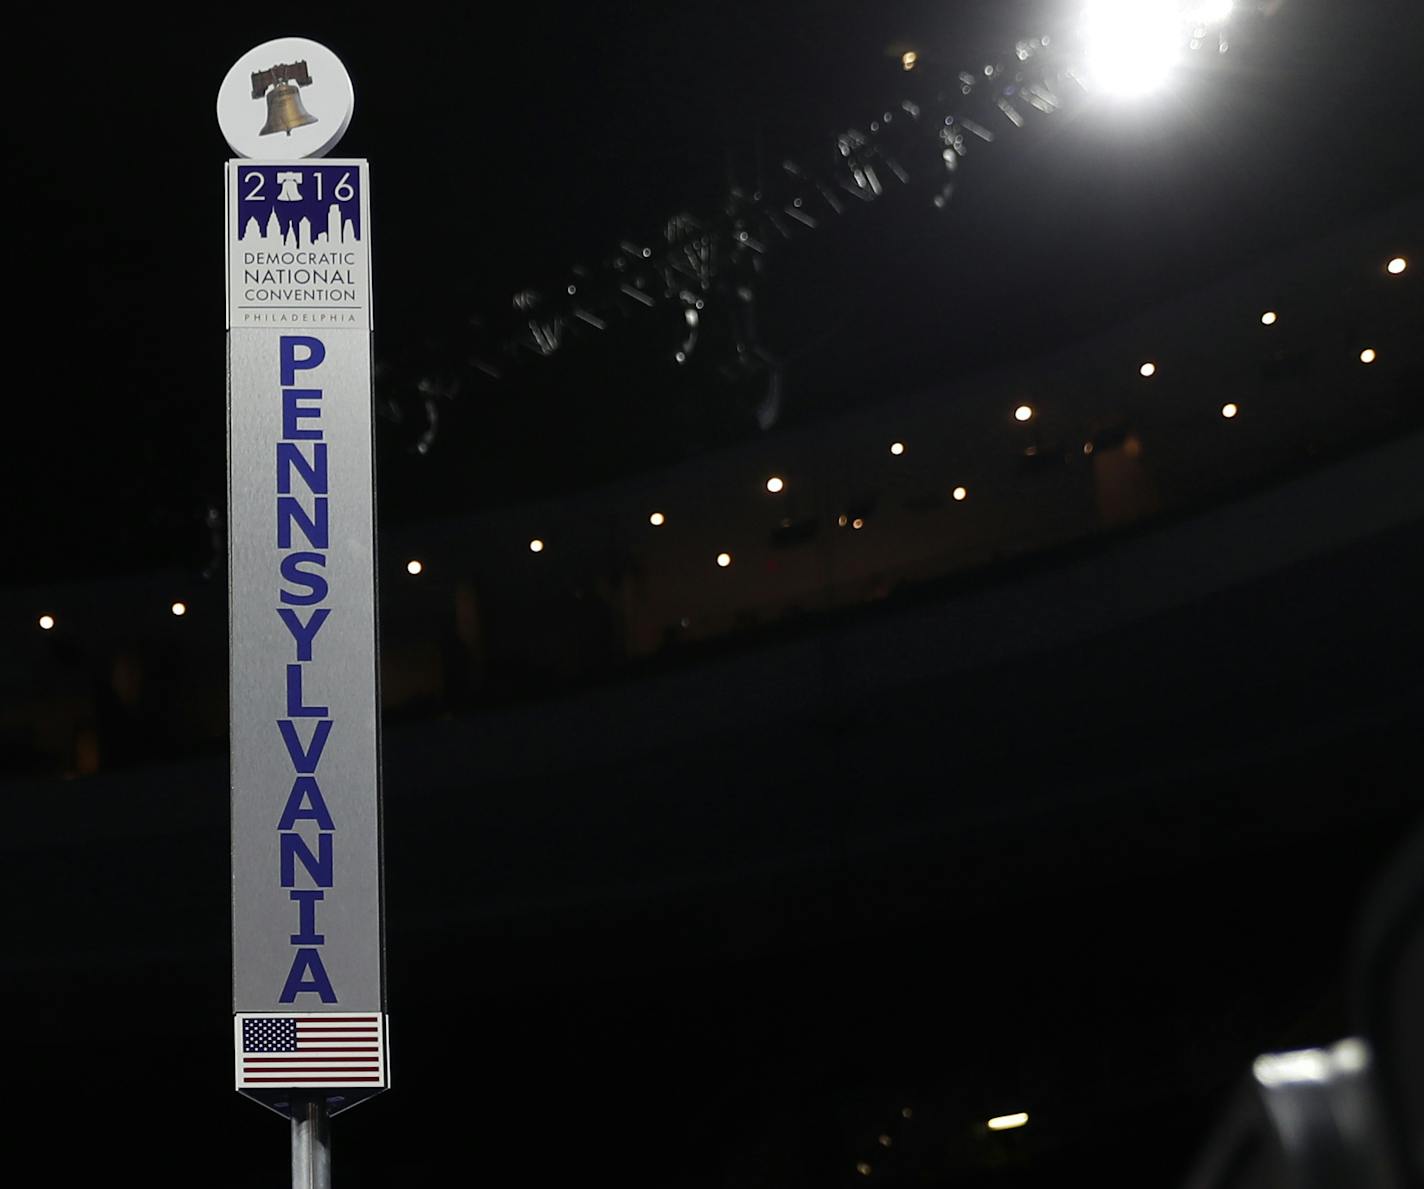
(307, 947)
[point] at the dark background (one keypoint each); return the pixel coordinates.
(1073, 810)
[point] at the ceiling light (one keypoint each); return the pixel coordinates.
(46, 622)
(897, 448)
(1147, 370)
(1008, 1122)
(1229, 410)
(657, 519)
(1368, 355)
(1023, 413)
(179, 608)
(413, 567)
(961, 493)
(724, 560)
(774, 484)
(536, 546)
(1131, 45)
(1397, 265)
(1268, 318)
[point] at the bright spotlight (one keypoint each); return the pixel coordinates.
(1147, 370)
(961, 494)
(657, 519)
(1368, 355)
(1130, 46)
(1023, 413)
(536, 546)
(46, 622)
(1268, 318)
(413, 567)
(1229, 410)
(179, 608)
(1397, 266)
(724, 560)
(774, 484)
(897, 448)
(1007, 1122)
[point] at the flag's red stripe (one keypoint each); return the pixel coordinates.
(310, 1079)
(300, 1060)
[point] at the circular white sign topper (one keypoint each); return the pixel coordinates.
(303, 107)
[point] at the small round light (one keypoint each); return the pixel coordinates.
(1229, 410)
(775, 484)
(179, 608)
(842, 520)
(862, 1168)
(657, 519)
(46, 622)
(884, 1140)
(857, 523)
(1088, 447)
(1147, 370)
(1023, 413)
(961, 493)
(1397, 265)
(724, 560)
(897, 448)
(1268, 318)
(1368, 355)
(536, 546)
(906, 1113)
(908, 59)
(413, 567)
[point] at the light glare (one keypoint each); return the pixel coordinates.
(724, 560)
(1229, 410)
(897, 448)
(1268, 318)
(413, 567)
(1147, 370)
(1368, 355)
(179, 608)
(657, 519)
(1397, 265)
(46, 622)
(908, 59)
(774, 484)
(1007, 1122)
(536, 546)
(1023, 413)
(1131, 45)
(961, 493)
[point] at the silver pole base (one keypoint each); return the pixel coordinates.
(311, 1144)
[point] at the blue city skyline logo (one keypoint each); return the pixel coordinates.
(299, 205)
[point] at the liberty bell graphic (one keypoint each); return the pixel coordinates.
(284, 101)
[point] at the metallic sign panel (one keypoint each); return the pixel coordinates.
(306, 877)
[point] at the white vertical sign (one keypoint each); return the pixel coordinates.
(308, 986)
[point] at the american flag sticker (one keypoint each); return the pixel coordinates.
(310, 1049)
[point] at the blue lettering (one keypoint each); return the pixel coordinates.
(306, 934)
(294, 412)
(291, 365)
(319, 866)
(290, 458)
(304, 633)
(314, 581)
(306, 759)
(307, 974)
(295, 709)
(305, 803)
(290, 510)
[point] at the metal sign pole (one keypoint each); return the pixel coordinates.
(308, 968)
(311, 1144)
